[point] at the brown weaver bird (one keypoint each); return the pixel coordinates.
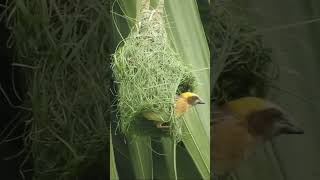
(182, 103)
(239, 125)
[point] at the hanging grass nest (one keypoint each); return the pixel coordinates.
(242, 65)
(149, 73)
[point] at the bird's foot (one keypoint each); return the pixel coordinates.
(161, 126)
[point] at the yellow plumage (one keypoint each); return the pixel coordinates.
(181, 105)
(245, 105)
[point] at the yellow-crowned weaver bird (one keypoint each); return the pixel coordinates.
(182, 103)
(239, 125)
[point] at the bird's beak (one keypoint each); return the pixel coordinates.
(199, 101)
(287, 127)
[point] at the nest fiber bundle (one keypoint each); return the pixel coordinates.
(241, 62)
(65, 47)
(149, 73)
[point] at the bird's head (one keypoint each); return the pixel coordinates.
(271, 122)
(192, 98)
(264, 118)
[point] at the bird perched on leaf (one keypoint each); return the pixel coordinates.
(182, 103)
(239, 125)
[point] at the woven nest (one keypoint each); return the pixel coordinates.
(241, 63)
(149, 73)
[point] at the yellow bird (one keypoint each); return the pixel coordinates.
(182, 103)
(239, 125)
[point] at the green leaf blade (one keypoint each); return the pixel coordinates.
(187, 35)
(141, 156)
